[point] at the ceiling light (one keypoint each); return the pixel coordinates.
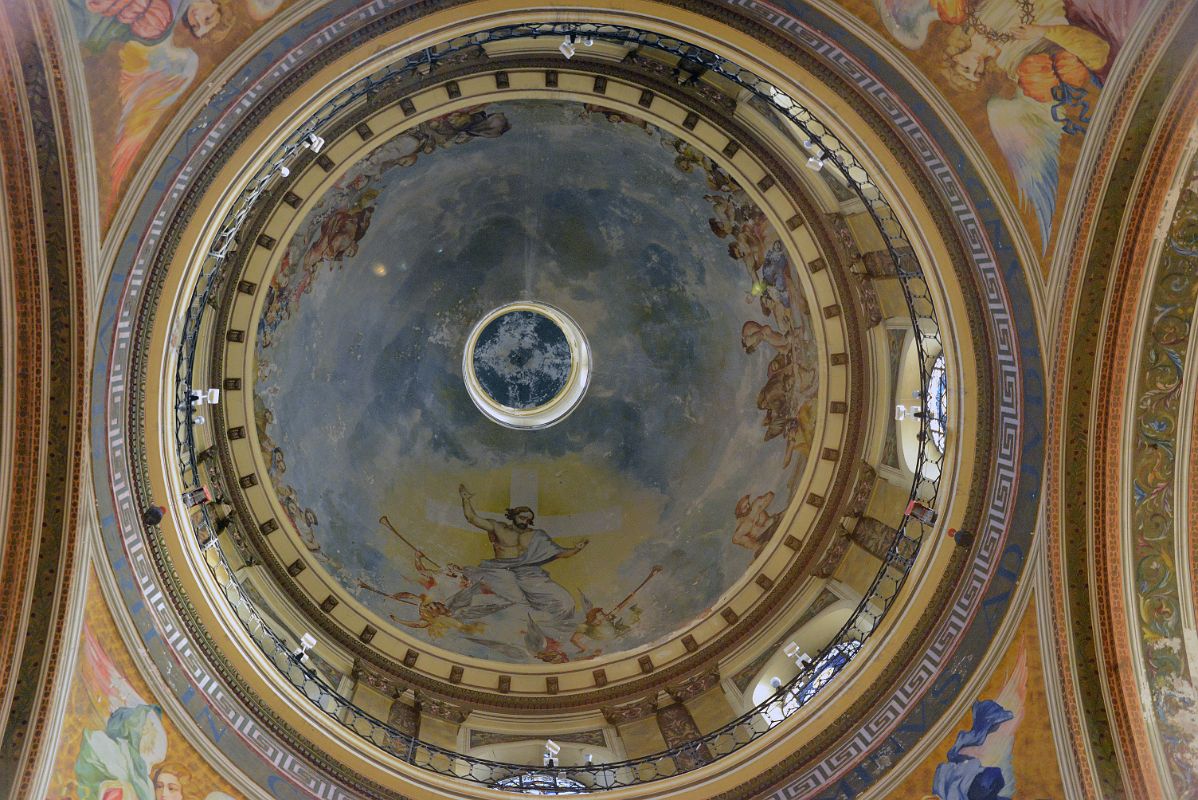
(284, 172)
(315, 142)
(816, 163)
(567, 47)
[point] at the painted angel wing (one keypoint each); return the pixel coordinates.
(509, 650)
(152, 79)
(996, 750)
(103, 679)
(907, 20)
(534, 638)
(1110, 19)
(1030, 140)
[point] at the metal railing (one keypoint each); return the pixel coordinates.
(522, 778)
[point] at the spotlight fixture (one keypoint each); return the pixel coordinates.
(315, 142)
(569, 45)
(284, 172)
(801, 659)
(775, 683)
(201, 396)
(307, 642)
(816, 163)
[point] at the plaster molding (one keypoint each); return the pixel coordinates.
(1078, 711)
(1123, 86)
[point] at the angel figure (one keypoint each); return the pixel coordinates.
(153, 78)
(433, 615)
(1052, 53)
(979, 765)
(755, 525)
(599, 625)
(117, 755)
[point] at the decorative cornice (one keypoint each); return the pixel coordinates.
(47, 264)
(1067, 514)
(823, 530)
(980, 488)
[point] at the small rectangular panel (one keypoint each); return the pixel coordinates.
(270, 526)
(455, 674)
(328, 604)
(296, 567)
(600, 677)
(729, 616)
(646, 664)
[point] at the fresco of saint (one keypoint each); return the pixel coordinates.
(515, 577)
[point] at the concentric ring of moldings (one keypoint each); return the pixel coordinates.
(473, 679)
(945, 228)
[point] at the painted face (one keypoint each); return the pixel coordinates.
(202, 16)
(168, 787)
(970, 63)
(524, 519)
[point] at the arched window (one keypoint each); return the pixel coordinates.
(937, 402)
(541, 783)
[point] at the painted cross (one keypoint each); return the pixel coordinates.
(524, 491)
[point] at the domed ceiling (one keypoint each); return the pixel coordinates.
(738, 279)
(624, 521)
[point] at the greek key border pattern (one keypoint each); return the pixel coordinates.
(997, 518)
